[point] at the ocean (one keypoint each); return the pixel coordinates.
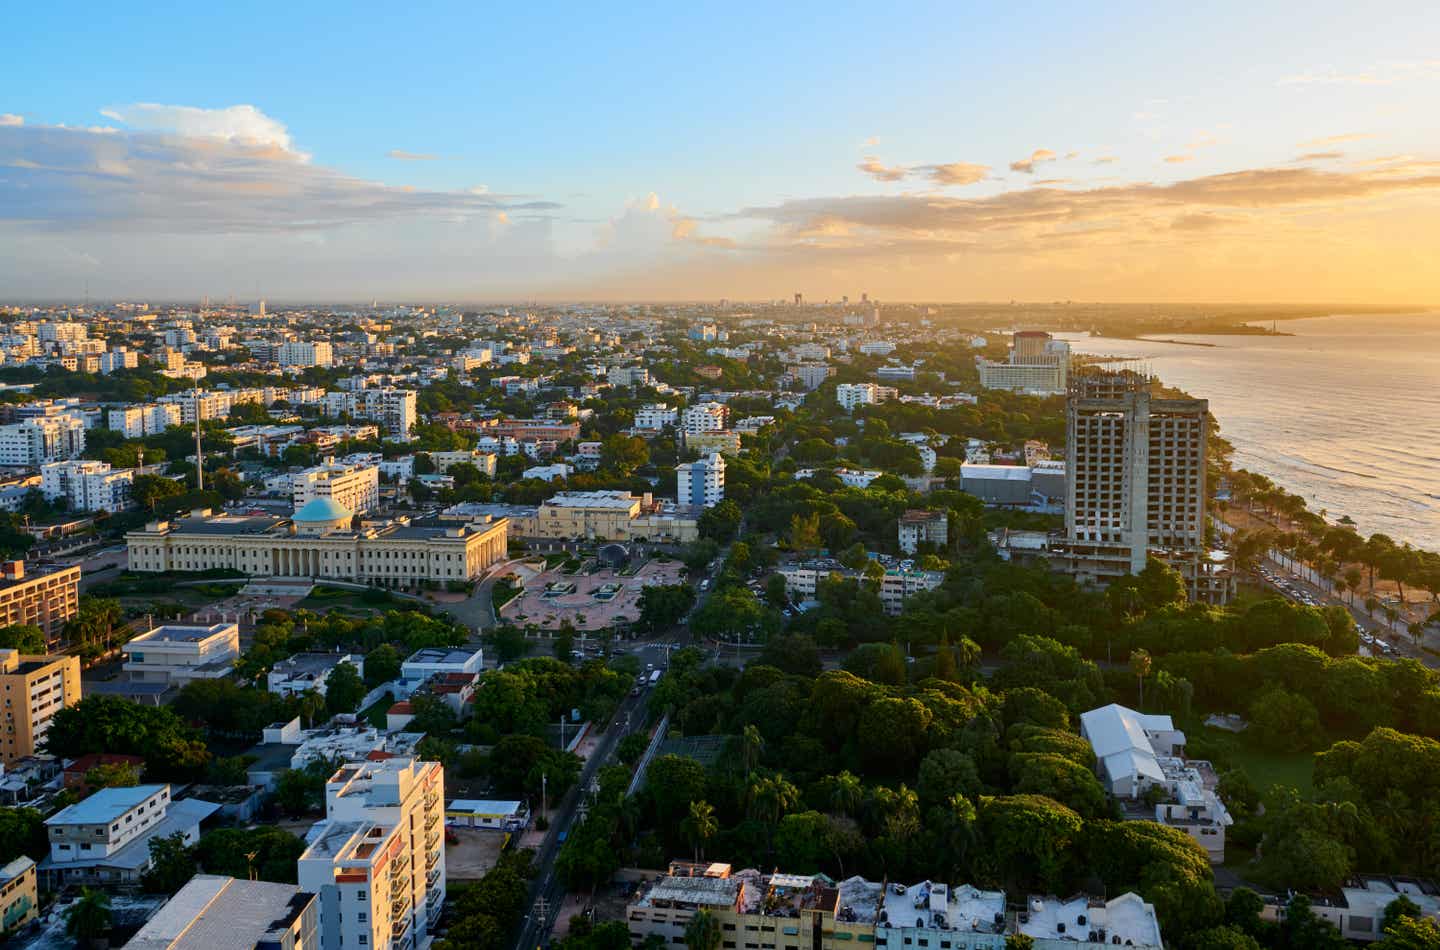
(1346, 412)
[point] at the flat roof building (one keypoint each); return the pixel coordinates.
(175, 654)
(212, 912)
(105, 839)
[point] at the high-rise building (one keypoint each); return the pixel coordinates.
(701, 482)
(704, 417)
(377, 862)
(1038, 363)
(1136, 466)
(304, 354)
(87, 485)
(34, 442)
(34, 688)
(45, 600)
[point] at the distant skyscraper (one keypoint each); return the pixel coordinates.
(262, 309)
(1136, 482)
(799, 299)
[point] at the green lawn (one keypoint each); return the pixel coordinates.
(1268, 768)
(375, 715)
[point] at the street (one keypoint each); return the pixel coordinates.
(547, 890)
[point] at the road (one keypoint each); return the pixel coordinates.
(1399, 645)
(547, 886)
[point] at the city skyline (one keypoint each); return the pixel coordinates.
(661, 155)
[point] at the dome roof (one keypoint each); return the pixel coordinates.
(323, 509)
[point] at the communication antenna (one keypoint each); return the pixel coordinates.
(199, 458)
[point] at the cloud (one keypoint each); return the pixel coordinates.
(1027, 165)
(1204, 221)
(880, 172)
(230, 181)
(1380, 74)
(10, 118)
(1319, 156)
(1179, 159)
(241, 124)
(400, 155)
(871, 142)
(955, 173)
(942, 222)
(1106, 160)
(1336, 139)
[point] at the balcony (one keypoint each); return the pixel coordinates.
(401, 862)
(399, 927)
(399, 905)
(431, 799)
(430, 822)
(432, 876)
(430, 838)
(431, 858)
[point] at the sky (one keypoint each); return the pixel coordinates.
(947, 151)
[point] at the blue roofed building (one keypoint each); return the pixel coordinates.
(105, 839)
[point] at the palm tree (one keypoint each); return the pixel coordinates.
(771, 797)
(701, 826)
(847, 793)
(1140, 665)
(702, 932)
(751, 745)
(88, 919)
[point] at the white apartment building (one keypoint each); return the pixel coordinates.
(704, 417)
(877, 348)
(357, 487)
(377, 862)
(61, 332)
(392, 408)
(852, 395)
(548, 473)
(87, 485)
(628, 376)
(209, 404)
(850, 477)
(923, 527)
(118, 359)
(106, 838)
(439, 661)
(702, 482)
(894, 373)
(810, 375)
(655, 416)
(896, 586)
(298, 353)
(34, 442)
(139, 421)
(175, 654)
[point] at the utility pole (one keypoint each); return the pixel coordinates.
(544, 796)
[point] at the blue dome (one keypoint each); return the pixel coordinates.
(323, 509)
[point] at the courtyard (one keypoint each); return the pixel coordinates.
(592, 598)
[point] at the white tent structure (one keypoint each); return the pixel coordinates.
(1128, 746)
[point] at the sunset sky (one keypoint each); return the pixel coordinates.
(1225, 152)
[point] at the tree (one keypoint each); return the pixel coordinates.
(1285, 721)
(266, 853)
(700, 826)
(22, 832)
(1409, 933)
(1140, 666)
(23, 637)
(172, 863)
(702, 932)
(113, 775)
(382, 665)
(343, 689)
(88, 919)
(623, 454)
(795, 654)
(151, 492)
(509, 642)
(720, 522)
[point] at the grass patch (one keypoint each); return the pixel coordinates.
(375, 714)
(1265, 769)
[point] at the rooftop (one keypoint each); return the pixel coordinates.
(1127, 919)
(212, 912)
(104, 806)
(178, 633)
(323, 509)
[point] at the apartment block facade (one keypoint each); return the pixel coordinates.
(45, 600)
(33, 689)
(357, 487)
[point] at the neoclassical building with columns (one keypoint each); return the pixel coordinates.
(320, 540)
